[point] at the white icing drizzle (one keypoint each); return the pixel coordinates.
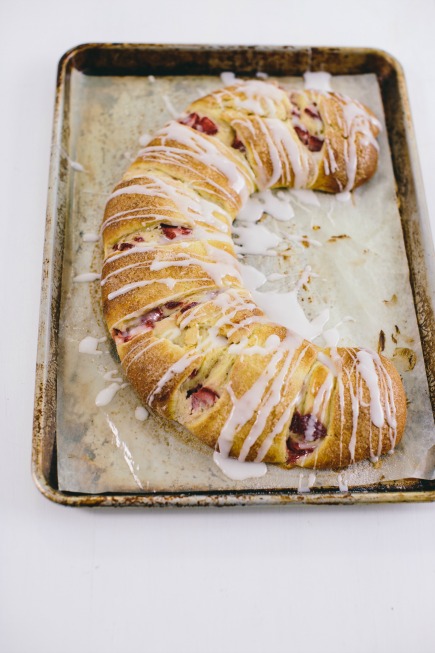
(260, 97)
(342, 485)
(201, 148)
(204, 234)
(237, 470)
(266, 405)
(357, 122)
(170, 282)
(283, 420)
(137, 354)
(189, 204)
(134, 189)
(177, 368)
(105, 396)
(255, 239)
(122, 269)
(255, 400)
(355, 415)
(144, 139)
(252, 277)
(320, 405)
(330, 163)
(249, 350)
(340, 387)
(284, 308)
(274, 204)
(228, 78)
(217, 270)
(75, 165)
(332, 336)
(379, 414)
(86, 277)
(276, 276)
(291, 150)
(263, 179)
(251, 211)
(112, 375)
(171, 333)
(319, 81)
(305, 196)
(366, 368)
(306, 482)
(345, 196)
(90, 238)
(141, 413)
(133, 250)
(251, 105)
(89, 345)
(212, 340)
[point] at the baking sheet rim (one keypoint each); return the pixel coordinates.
(45, 386)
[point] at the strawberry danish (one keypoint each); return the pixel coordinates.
(191, 340)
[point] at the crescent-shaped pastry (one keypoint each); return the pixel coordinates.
(192, 342)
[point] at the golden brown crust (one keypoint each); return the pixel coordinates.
(349, 154)
(192, 342)
(134, 281)
(179, 152)
(351, 434)
(267, 125)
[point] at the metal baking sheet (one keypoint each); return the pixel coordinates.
(113, 62)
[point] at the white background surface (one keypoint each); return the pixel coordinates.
(314, 579)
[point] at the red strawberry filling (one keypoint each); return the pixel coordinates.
(170, 232)
(307, 123)
(238, 145)
(121, 247)
(294, 451)
(302, 134)
(308, 426)
(201, 124)
(188, 306)
(121, 336)
(310, 429)
(150, 318)
(202, 397)
(313, 143)
(172, 305)
(191, 120)
(208, 126)
(312, 112)
(144, 322)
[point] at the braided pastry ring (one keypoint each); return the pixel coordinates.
(192, 343)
